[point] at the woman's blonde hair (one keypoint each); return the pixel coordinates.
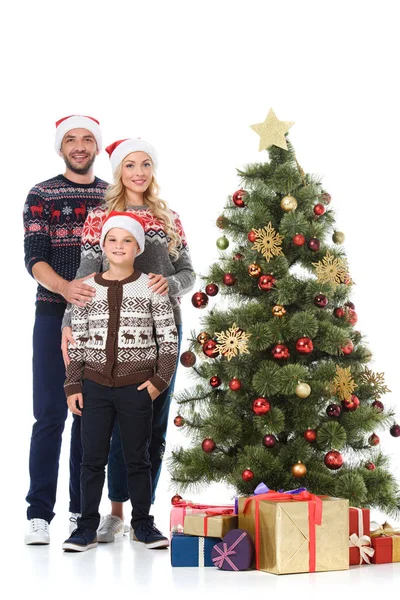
(115, 199)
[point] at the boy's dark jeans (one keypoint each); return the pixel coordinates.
(133, 410)
(50, 411)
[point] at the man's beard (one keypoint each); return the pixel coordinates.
(81, 169)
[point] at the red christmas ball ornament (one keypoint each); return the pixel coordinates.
(229, 279)
(339, 312)
(179, 421)
(212, 289)
(199, 300)
(266, 283)
(370, 466)
(319, 209)
(247, 475)
(373, 440)
(209, 348)
(215, 381)
(395, 430)
(334, 411)
(333, 460)
(237, 256)
(237, 198)
(298, 239)
(378, 406)
(321, 301)
(175, 499)
(261, 406)
(269, 440)
(350, 305)
(310, 435)
(351, 316)
(314, 244)
(251, 236)
(304, 345)
(348, 348)
(208, 445)
(280, 352)
(326, 198)
(352, 404)
(187, 358)
(235, 384)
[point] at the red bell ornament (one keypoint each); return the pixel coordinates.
(209, 349)
(261, 406)
(280, 352)
(333, 460)
(304, 345)
(199, 300)
(212, 289)
(266, 283)
(237, 198)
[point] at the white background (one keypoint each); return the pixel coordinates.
(191, 77)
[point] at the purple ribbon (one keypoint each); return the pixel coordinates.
(226, 552)
(264, 489)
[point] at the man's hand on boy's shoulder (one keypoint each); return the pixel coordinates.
(75, 403)
(153, 391)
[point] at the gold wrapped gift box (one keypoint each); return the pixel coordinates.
(288, 541)
(205, 525)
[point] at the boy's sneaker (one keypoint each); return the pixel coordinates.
(38, 532)
(149, 535)
(81, 539)
(73, 521)
(110, 529)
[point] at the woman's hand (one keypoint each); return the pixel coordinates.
(73, 402)
(153, 391)
(158, 284)
(65, 338)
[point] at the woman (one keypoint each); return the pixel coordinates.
(167, 262)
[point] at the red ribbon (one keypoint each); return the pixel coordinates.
(215, 512)
(314, 518)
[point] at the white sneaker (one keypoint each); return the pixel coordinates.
(73, 521)
(110, 529)
(38, 532)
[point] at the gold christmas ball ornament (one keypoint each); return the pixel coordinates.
(203, 337)
(338, 237)
(278, 310)
(302, 390)
(254, 270)
(288, 203)
(299, 470)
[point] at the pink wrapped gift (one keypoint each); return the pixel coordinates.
(181, 509)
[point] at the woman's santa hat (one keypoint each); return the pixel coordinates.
(77, 122)
(121, 148)
(124, 220)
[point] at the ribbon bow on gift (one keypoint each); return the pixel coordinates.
(264, 489)
(226, 552)
(364, 544)
(385, 530)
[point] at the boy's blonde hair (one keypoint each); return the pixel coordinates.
(115, 199)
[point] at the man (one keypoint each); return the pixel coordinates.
(54, 213)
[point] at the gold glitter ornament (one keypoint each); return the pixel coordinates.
(331, 270)
(203, 337)
(278, 310)
(303, 390)
(338, 237)
(288, 203)
(232, 342)
(268, 242)
(343, 385)
(272, 132)
(254, 270)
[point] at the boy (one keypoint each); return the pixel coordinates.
(123, 373)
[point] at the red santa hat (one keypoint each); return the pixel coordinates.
(124, 220)
(121, 148)
(77, 122)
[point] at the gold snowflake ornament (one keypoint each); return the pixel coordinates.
(343, 385)
(376, 381)
(332, 270)
(268, 242)
(233, 341)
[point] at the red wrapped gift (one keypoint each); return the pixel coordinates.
(386, 543)
(359, 541)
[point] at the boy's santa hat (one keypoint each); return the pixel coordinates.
(121, 148)
(124, 220)
(77, 122)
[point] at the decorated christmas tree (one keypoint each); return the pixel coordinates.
(280, 390)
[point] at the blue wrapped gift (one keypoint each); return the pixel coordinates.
(191, 550)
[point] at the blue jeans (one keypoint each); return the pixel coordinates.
(117, 476)
(50, 411)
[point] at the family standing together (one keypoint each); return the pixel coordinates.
(111, 262)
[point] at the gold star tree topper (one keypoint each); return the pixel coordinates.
(232, 342)
(272, 132)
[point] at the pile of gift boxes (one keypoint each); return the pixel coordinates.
(279, 532)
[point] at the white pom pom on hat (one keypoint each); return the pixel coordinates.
(124, 220)
(77, 122)
(118, 150)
